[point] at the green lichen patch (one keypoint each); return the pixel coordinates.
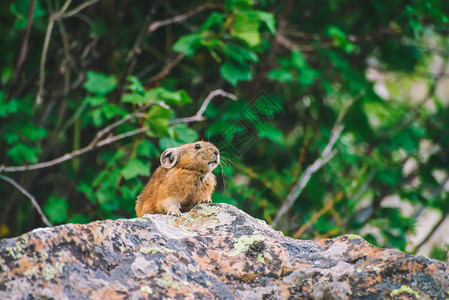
(191, 268)
(261, 258)
(31, 272)
(244, 242)
(353, 236)
(404, 289)
(50, 271)
(152, 250)
(139, 220)
(209, 210)
(168, 282)
(17, 251)
(146, 289)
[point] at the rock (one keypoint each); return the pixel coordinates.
(215, 251)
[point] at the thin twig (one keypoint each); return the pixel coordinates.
(33, 200)
(167, 69)
(199, 115)
(180, 18)
(97, 143)
(327, 154)
(53, 18)
(434, 194)
(431, 232)
(23, 50)
(78, 9)
(317, 215)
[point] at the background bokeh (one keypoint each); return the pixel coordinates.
(342, 111)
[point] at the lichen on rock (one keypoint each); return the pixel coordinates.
(215, 251)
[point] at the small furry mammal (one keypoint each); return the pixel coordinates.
(184, 179)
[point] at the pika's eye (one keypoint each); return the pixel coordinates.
(197, 146)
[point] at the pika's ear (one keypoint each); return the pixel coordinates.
(169, 158)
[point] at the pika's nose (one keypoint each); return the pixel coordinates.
(216, 152)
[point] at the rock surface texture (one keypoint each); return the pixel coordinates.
(215, 251)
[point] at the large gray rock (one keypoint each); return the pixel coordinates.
(214, 251)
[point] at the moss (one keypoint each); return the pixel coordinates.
(146, 289)
(244, 242)
(404, 289)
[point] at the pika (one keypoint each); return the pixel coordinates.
(184, 179)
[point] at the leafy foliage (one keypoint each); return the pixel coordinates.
(294, 67)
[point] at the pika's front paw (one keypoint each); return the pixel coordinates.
(209, 200)
(174, 212)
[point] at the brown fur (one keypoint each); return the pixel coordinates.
(184, 179)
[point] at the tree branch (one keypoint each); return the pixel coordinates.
(53, 18)
(327, 154)
(199, 114)
(178, 19)
(23, 50)
(317, 215)
(33, 200)
(167, 69)
(97, 143)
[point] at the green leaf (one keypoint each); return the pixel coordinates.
(33, 133)
(246, 29)
(270, 132)
(188, 44)
(97, 117)
(56, 210)
(135, 85)
(234, 73)
(94, 101)
(23, 152)
(20, 10)
(158, 119)
(8, 108)
(390, 176)
(166, 142)
(136, 167)
(159, 126)
(264, 17)
(158, 112)
(281, 75)
(185, 134)
(215, 19)
(146, 149)
(100, 84)
(133, 98)
(171, 97)
(86, 189)
(307, 76)
(240, 54)
(340, 40)
(297, 60)
(79, 219)
(111, 110)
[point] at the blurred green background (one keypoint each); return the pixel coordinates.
(358, 88)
